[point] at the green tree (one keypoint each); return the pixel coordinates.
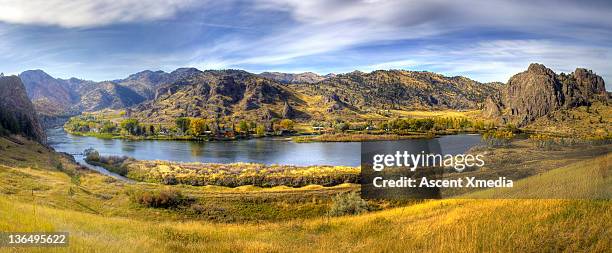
(152, 130)
(108, 127)
(130, 125)
(243, 127)
(183, 124)
(343, 126)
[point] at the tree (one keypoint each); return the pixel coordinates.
(243, 127)
(182, 124)
(260, 130)
(343, 126)
(286, 124)
(130, 125)
(252, 125)
(198, 127)
(108, 127)
(152, 130)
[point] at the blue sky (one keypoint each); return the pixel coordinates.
(484, 40)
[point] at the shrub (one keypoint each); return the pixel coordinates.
(498, 138)
(116, 164)
(91, 155)
(159, 199)
(348, 204)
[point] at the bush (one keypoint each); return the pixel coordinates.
(91, 155)
(116, 164)
(498, 138)
(348, 204)
(159, 199)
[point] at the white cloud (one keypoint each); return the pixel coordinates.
(87, 13)
(497, 60)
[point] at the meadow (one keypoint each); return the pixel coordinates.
(39, 194)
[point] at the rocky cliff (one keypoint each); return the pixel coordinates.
(17, 114)
(538, 91)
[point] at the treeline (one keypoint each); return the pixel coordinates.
(409, 124)
(428, 124)
(184, 126)
(15, 123)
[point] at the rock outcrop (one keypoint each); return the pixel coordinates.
(288, 112)
(538, 91)
(17, 114)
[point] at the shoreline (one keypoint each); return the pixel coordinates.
(296, 137)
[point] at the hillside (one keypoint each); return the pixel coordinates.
(146, 83)
(239, 94)
(215, 94)
(401, 89)
(191, 92)
(17, 115)
(306, 77)
(47, 92)
(98, 96)
(594, 120)
(36, 196)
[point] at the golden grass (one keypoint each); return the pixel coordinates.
(435, 226)
(33, 197)
(593, 121)
(454, 225)
(239, 174)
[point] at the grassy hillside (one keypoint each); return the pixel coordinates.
(33, 174)
(593, 121)
(35, 196)
(452, 225)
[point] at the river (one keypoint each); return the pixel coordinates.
(269, 150)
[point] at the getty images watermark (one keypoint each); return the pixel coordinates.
(411, 162)
(396, 171)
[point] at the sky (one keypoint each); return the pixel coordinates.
(483, 40)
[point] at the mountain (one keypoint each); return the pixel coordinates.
(539, 91)
(306, 77)
(145, 83)
(103, 95)
(240, 94)
(47, 93)
(53, 97)
(17, 114)
(214, 94)
(401, 89)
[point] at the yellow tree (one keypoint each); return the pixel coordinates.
(198, 126)
(286, 124)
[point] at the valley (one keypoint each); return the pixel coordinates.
(232, 161)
